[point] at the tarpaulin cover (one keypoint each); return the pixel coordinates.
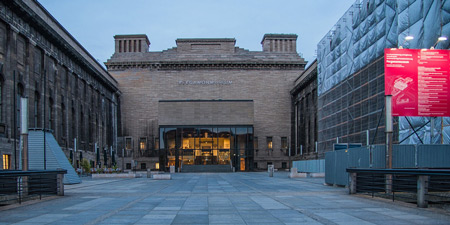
(367, 28)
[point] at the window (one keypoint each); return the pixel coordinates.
(128, 143)
(143, 166)
(36, 109)
(21, 51)
(269, 143)
(63, 120)
(284, 165)
(50, 114)
(284, 143)
(74, 127)
(37, 61)
(1, 99)
(255, 143)
(128, 166)
(81, 125)
(157, 143)
(20, 91)
(2, 40)
(6, 162)
(142, 143)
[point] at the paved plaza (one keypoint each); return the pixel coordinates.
(216, 198)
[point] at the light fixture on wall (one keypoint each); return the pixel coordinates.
(441, 38)
(407, 38)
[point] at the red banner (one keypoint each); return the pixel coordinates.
(418, 81)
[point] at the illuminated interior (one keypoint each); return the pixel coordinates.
(6, 162)
(216, 145)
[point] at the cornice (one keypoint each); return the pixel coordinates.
(190, 65)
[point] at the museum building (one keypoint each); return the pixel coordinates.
(205, 102)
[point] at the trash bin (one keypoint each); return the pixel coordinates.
(172, 169)
(270, 169)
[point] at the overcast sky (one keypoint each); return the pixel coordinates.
(94, 22)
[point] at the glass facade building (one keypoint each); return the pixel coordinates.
(206, 145)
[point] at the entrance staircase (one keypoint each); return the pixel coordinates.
(206, 169)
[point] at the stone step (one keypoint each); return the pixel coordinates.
(206, 168)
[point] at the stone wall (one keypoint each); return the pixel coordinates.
(68, 91)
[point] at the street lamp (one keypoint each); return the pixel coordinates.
(441, 38)
(407, 38)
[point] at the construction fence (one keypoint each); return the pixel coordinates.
(374, 156)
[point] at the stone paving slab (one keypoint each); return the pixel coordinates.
(216, 198)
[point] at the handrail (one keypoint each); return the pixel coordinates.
(4, 173)
(435, 172)
(17, 186)
(428, 185)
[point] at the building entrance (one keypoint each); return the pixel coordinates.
(199, 145)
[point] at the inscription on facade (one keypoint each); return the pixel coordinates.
(205, 82)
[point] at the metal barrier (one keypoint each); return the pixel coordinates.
(18, 186)
(422, 186)
(374, 156)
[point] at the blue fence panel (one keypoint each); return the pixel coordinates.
(433, 156)
(330, 167)
(341, 166)
(378, 156)
(404, 156)
(359, 157)
(310, 166)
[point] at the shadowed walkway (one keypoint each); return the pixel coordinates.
(220, 198)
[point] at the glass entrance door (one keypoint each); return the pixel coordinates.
(200, 145)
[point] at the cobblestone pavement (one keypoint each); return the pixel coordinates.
(216, 198)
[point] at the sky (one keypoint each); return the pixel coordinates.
(93, 23)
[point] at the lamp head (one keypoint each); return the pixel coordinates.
(409, 38)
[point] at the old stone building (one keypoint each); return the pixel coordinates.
(69, 93)
(304, 115)
(205, 102)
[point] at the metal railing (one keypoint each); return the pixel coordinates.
(421, 186)
(18, 186)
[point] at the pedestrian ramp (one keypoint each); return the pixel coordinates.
(54, 157)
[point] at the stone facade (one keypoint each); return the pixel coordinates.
(198, 112)
(68, 91)
(207, 69)
(304, 115)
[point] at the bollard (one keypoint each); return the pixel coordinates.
(60, 184)
(270, 170)
(422, 190)
(352, 185)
